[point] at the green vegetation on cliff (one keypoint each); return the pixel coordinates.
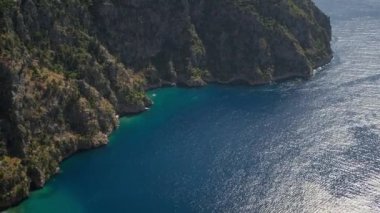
(67, 68)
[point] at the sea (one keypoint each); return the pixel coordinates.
(296, 146)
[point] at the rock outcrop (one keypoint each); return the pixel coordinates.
(68, 68)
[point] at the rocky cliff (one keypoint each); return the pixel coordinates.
(68, 68)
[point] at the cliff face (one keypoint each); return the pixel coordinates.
(67, 68)
(189, 42)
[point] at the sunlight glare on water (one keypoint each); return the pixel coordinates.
(299, 146)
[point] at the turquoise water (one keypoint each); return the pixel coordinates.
(299, 146)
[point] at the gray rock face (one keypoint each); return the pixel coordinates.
(254, 41)
(68, 68)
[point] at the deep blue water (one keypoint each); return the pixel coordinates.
(299, 146)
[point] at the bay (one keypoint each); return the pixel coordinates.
(298, 146)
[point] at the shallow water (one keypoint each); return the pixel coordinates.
(294, 147)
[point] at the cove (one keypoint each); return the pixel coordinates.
(298, 146)
(173, 146)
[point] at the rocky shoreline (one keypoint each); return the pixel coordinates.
(68, 68)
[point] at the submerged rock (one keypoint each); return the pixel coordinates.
(68, 67)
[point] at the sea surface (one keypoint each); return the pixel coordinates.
(298, 146)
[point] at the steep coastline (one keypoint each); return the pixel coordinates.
(67, 68)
